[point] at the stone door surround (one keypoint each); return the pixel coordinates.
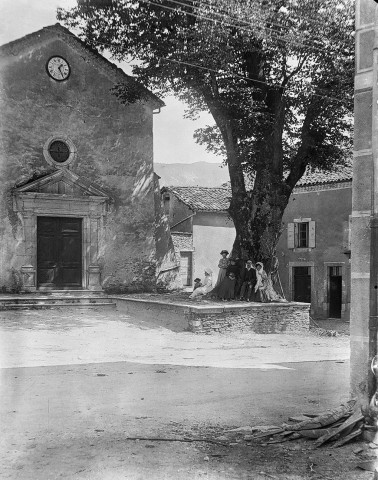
(60, 194)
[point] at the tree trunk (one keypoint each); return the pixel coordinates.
(258, 219)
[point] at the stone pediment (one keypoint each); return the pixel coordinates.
(62, 182)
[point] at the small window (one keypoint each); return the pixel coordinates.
(59, 151)
(335, 271)
(302, 235)
(166, 202)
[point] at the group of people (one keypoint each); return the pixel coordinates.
(237, 280)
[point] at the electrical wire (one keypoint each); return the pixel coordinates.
(217, 71)
(328, 97)
(230, 17)
(283, 39)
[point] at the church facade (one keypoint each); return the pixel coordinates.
(79, 200)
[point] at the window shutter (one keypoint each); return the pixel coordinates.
(311, 234)
(290, 235)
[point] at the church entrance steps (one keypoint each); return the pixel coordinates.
(37, 301)
(68, 293)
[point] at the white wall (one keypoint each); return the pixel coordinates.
(211, 234)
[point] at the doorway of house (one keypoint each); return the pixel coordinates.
(335, 292)
(302, 284)
(186, 268)
(59, 252)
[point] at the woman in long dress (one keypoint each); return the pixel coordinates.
(264, 286)
(226, 289)
(207, 285)
(222, 265)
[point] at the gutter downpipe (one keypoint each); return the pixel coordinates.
(373, 300)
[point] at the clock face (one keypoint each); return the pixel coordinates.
(58, 68)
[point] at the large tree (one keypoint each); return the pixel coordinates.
(276, 76)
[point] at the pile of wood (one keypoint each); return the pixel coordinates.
(339, 426)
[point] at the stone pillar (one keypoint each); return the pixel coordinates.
(364, 151)
(30, 237)
(28, 273)
(94, 277)
(94, 270)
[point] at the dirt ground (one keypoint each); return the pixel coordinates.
(78, 387)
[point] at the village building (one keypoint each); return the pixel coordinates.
(364, 229)
(80, 203)
(313, 250)
(200, 227)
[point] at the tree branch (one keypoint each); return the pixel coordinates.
(287, 78)
(301, 159)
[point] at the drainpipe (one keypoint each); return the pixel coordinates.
(373, 303)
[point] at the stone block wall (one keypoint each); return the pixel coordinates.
(264, 318)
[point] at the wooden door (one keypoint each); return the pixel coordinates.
(335, 292)
(186, 268)
(302, 284)
(59, 252)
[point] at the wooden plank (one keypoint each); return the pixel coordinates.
(282, 438)
(298, 419)
(268, 434)
(353, 420)
(316, 432)
(348, 438)
(327, 418)
(368, 465)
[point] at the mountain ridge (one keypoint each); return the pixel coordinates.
(199, 174)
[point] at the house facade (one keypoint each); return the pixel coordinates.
(79, 198)
(200, 227)
(313, 250)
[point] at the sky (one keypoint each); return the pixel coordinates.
(173, 135)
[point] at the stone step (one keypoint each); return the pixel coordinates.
(53, 299)
(68, 293)
(12, 302)
(40, 306)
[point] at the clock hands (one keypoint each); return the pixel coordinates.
(58, 68)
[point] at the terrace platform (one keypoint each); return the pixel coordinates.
(178, 313)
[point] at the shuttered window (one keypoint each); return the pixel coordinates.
(301, 234)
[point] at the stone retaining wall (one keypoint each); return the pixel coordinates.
(260, 318)
(205, 319)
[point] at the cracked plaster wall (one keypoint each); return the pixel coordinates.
(114, 150)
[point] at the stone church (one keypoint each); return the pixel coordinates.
(79, 200)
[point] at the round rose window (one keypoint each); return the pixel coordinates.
(59, 151)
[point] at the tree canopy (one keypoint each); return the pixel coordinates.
(277, 78)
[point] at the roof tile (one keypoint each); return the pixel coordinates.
(213, 199)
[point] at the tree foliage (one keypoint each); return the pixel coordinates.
(277, 78)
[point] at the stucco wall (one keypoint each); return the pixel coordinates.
(330, 209)
(212, 232)
(114, 150)
(176, 212)
(364, 148)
